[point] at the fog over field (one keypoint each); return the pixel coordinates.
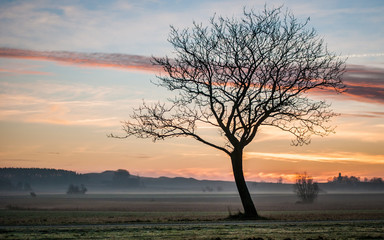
(23, 181)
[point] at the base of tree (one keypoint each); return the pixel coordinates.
(243, 216)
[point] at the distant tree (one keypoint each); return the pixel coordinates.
(306, 189)
(280, 180)
(207, 189)
(75, 189)
(239, 75)
(376, 180)
(83, 189)
(353, 180)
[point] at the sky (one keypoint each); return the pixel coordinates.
(71, 71)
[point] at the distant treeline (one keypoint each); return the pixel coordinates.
(57, 180)
(354, 180)
(38, 174)
(26, 179)
(355, 183)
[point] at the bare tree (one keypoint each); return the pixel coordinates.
(305, 188)
(238, 75)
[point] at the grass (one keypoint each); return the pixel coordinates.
(324, 215)
(189, 217)
(48, 217)
(302, 230)
(36, 217)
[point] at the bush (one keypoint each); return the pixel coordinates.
(306, 189)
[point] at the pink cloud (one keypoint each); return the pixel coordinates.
(362, 83)
(124, 61)
(20, 71)
(365, 84)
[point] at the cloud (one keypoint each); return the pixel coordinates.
(124, 61)
(365, 83)
(363, 55)
(365, 114)
(271, 176)
(21, 68)
(332, 157)
(362, 83)
(134, 27)
(42, 102)
(20, 71)
(17, 160)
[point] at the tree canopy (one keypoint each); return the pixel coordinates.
(241, 74)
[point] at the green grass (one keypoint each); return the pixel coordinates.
(302, 230)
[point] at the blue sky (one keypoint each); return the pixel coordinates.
(141, 27)
(56, 112)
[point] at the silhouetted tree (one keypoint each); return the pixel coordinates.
(239, 75)
(306, 189)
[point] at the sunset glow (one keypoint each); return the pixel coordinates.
(71, 72)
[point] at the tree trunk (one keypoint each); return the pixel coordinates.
(246, 200)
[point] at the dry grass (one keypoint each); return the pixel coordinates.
(99, 209)
(99, 216)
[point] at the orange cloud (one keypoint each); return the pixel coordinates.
(124, 61)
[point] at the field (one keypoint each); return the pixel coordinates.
(189, 216)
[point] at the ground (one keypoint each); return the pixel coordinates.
(189, 216)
